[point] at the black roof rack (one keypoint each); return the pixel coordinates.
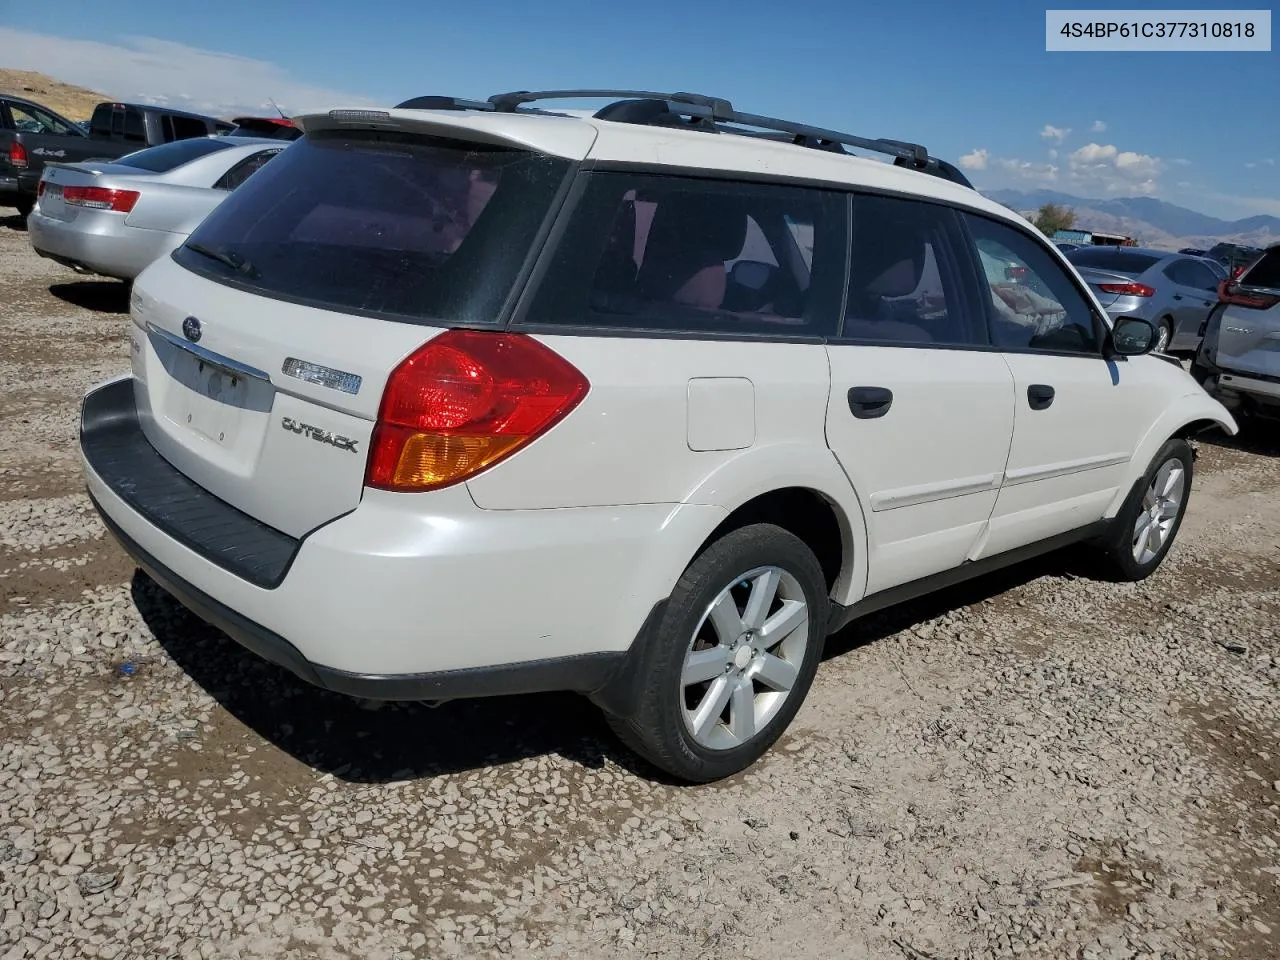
(710, 114)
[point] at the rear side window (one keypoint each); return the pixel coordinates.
(243, 170)
(169, 156)
(1266, 272)
(906, 284)
(134, 125)
(660, 253)
(391, 225)
(100, 124)
(1105, 258)
(1032, 301)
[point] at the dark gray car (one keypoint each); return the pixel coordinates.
(1239, 358)
(1173, 291)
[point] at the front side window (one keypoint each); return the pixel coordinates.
(905, 283)
(401, 226)
(184, 127)
(38, 121)
(650, 252)
(1032, 302)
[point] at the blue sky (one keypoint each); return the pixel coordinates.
(969, 81)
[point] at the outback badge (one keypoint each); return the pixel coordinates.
(320, 436)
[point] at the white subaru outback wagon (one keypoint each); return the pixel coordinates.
(469, 398)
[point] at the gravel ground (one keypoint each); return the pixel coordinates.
(1035, 765)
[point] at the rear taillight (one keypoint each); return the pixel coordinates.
(1229, 292)
(39, 189)
(463, 402)
(1128, 289)
(100, 198)
(1237, 272)
(1015, 274)
(17, 155)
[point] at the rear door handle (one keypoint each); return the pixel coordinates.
(1177, 296)
(1040, 396)
(868, 403)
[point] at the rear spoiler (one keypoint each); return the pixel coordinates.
(542, 133)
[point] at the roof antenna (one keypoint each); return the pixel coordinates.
(278, 110)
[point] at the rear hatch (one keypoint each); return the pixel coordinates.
(264, 344)
(1248, 331)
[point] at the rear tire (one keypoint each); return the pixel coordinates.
(732, 658)
(25, 205)
(1164, 335)
(1148, 523)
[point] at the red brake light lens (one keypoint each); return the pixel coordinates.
(100, 198)
(39, 189)
(1229, 292)
(1128, 289)
(463, 402)
(17, 155)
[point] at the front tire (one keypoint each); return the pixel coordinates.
(733, 656)
(1148, 523)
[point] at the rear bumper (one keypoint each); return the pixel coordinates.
(1235, 389)
(405, 597)
(100, 243)
(17, 185)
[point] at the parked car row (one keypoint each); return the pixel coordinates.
(113, 218)
(32, 135)
(1173, 291)
(686, 403)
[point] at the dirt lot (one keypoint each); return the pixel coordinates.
(1037, 764)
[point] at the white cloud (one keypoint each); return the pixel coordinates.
(977, 160)
(1180, 162)
(1098, 126)
(1053, 154)
(1137, 166)
(151, 70)
(1105, 169)
(1051, 132)
(1250, 166)
(1092, 154)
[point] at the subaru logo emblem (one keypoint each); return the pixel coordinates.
(191, 329)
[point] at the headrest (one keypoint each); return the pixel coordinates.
(889, 259)
(697, 227)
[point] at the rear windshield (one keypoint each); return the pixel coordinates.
(1266, 272)
(171, 155)
(1105, 258)
(390, 225)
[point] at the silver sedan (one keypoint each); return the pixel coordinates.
(114, 217)
(1175, 292)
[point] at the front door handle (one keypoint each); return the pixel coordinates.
(868, 403)
(1040, 396)
(1177, 296)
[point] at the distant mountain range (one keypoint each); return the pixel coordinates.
(1152, 222)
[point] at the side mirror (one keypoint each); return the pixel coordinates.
(1133, 336)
